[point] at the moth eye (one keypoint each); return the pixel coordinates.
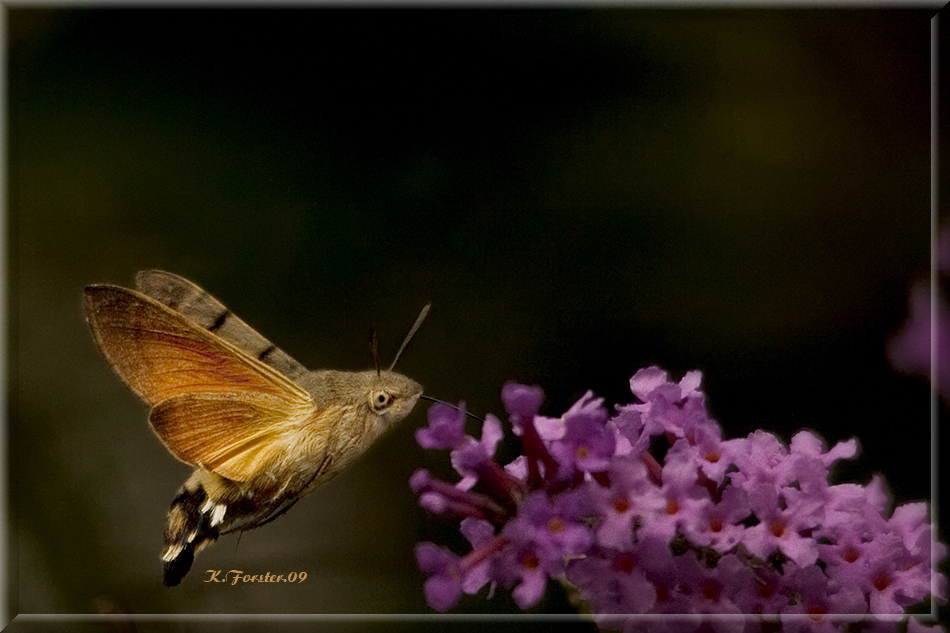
(380, 400)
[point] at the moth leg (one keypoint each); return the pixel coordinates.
(278, 509)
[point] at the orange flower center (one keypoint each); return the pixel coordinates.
(530, 561)
(710, 591)
(882, 582)
(816, 612)
(625, 562)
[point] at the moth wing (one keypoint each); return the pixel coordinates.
(234, 435)
(160, 354)
(189, 300)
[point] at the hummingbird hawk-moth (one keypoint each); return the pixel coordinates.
(259, 428)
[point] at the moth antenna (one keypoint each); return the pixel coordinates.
(449, 404)
(374, 346)
(412, 331)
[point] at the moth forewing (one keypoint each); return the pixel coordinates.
(189, 300)
(161, 354)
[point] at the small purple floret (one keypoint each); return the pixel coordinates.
(588, 444)
(444, 586)
(446, 427)
(521, 402)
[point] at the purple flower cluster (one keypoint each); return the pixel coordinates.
(720, 529)
(925, 335)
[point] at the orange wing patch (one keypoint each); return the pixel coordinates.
(234, 436)
(160, 354)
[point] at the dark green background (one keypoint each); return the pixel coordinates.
(580, 193)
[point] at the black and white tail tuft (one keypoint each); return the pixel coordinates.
(193, 521)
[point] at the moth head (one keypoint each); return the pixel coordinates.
(392, 396)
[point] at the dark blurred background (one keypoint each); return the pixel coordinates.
(580, 193)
